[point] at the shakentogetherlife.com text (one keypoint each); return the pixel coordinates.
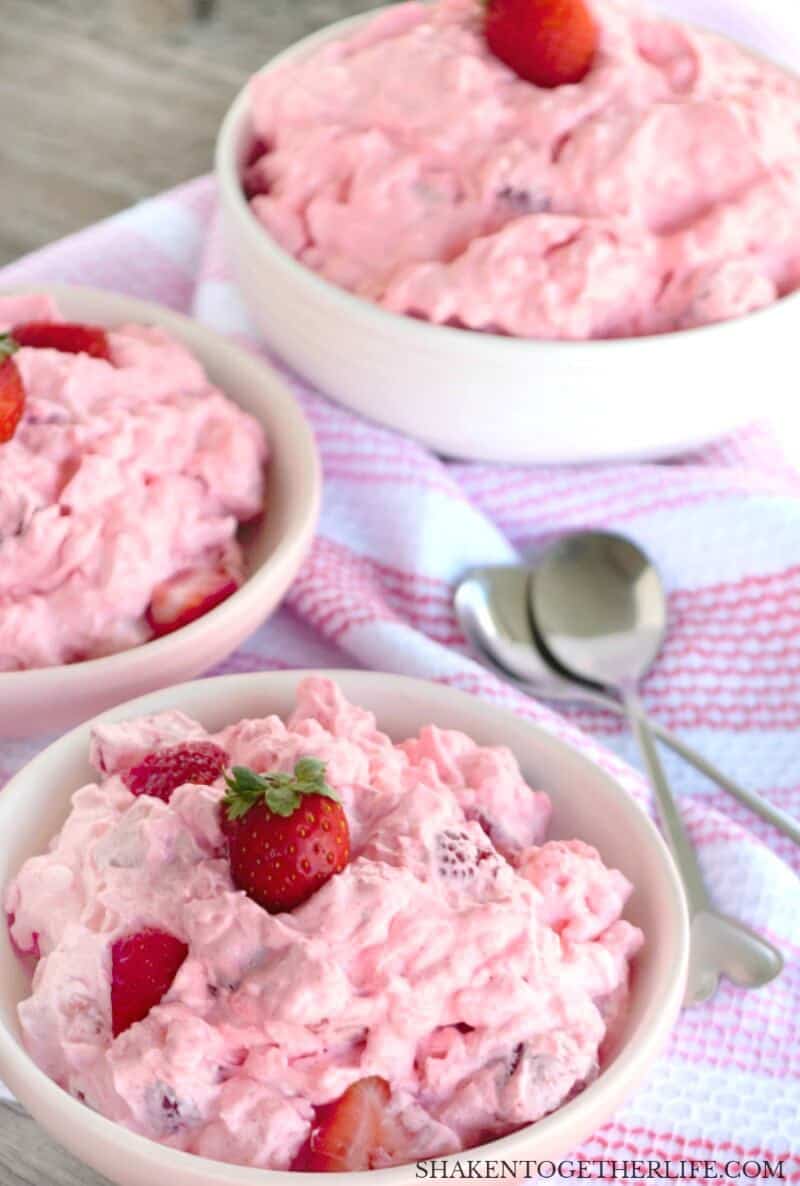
(605, 1169)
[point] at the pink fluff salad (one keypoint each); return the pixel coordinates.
(409, 165)
(121, 475)
(473, 965)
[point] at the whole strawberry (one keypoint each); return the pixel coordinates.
(287, 834)
(12, 391)
(547, 42)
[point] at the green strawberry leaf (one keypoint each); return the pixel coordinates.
(245, 780)
(310, 770)
(281, 793)
(283, 799)
(7, 346)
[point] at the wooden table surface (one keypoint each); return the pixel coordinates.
(108, 101)
(105, 102)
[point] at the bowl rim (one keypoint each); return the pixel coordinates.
(302, 514)
(427, 334)
(630, 1064)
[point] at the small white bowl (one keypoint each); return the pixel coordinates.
(492, 398)
(49, 698)
(588, 804)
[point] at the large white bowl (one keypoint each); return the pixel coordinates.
(495, 398)
(587, 804)
(50, 698)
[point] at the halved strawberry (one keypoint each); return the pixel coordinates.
(461, 855)
(351, 1133)
(547, 42)
(187, 596)
(162, 772)
(12, 391)
(67, 337)
(287, 834)
(143, 967)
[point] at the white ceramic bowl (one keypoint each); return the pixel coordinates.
(50, 698)
(587, 804)
(493, 398)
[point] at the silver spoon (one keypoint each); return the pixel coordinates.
(600, 612)
(492, 606)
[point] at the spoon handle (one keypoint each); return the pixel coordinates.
(760, 806)
(719, 945)
(561, 690)
(754, 802)
(677, 837)
(781, 820)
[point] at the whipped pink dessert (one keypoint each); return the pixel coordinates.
(460, 972)
(408, 164)
(121, 490)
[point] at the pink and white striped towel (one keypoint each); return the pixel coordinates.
(399, 526)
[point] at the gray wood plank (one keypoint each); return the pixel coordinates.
(108, 101)
(29, 1158)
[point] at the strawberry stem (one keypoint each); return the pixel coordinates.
(282, 793)
(7, 346)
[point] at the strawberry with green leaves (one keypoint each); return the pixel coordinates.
(287, 833)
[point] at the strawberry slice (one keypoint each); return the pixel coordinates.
(352, 1133)
(547, 42)
(67, 337)
(12, 391)
(187, 596)
(33, 952)
(143, 967)
(160, 773)
(287, 834)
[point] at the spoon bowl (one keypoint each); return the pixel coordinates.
(492, 607)
(599, 608)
